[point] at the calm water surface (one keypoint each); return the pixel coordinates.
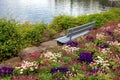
(45, 10)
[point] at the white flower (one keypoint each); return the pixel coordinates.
(52, 56)
(102, 62)
(31, 69)
(99, 58)
(28, 65)
(36, 67)
(70, 49)
(17, 67)
(21, 72)
(115, 43)
(106, 50)
(100, 36)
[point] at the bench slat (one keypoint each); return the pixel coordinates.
(74, 31)
(80, 27)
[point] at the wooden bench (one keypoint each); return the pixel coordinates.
(75, 32)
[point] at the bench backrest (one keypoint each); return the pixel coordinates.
(79, 29)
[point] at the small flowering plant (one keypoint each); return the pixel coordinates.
(69, 49)
(101, 43)
(100, 63)
(114, 43)
(100, 36)
(27, 67)
(6, 71)
(59, 69)
(85, 56)
(89, 38)
(59, 73)
(109, 32)
(72, 44)
(52, 56)
(97, 71)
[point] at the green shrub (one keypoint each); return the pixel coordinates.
(9, 39)
(35, 35)
(82, 20)
(63, 22)
(31, 33)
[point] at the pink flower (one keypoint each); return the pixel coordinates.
(119, 25)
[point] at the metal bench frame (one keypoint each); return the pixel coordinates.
(75, 32)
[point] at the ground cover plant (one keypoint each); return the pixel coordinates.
(94, 56)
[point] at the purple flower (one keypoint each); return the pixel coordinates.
(109, 32)
(0, 72)
(60, 69)
(72, 44)
(95, 70)
(119, 55)
(104, 45)
(4, 68)
(86, 57)
(4, 71)
(89, 38)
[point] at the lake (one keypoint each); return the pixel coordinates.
(46, 10)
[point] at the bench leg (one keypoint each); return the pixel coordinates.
(59, 43)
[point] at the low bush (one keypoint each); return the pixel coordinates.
(31, 33)
(9, 39)
(62, 22)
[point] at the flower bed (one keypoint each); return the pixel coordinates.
(95, 56)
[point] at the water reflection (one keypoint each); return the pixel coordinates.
(38, 10)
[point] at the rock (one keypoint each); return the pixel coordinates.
(42, 48)
(25, 53)
(11, 62)
(48, 44)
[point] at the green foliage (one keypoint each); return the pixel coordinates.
(102, 76)
(6, 78)
(52, 32)
(66, 59)
(83, 19)
(55, 64)
(91, 78)
(63, 22)
(45, 76)
(31, 33)
(99, 42)
(9, 39)
(118, 49)
(78, 77)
